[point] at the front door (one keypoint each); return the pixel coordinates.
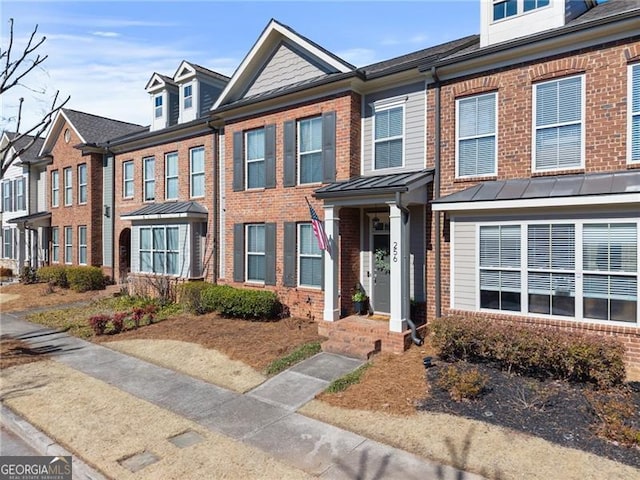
(381, 301)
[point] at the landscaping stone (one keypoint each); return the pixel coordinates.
(137, 462)
(186, 439)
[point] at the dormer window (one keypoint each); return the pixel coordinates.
(158, 106)
(508, 8)
(533, 4)
(188, 96)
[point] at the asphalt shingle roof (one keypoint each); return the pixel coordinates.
(168, 208)
(31, 155)
(95, 129)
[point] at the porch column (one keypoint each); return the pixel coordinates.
(22, 246)
(331, 265)
(399, 266)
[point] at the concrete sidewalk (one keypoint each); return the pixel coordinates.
(264, 417)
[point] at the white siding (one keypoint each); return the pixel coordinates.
(417, 251)
(464, 266)
(414, 127)
(40, 204)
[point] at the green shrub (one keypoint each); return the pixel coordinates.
(462, 383)
(190, 296)
(28, 275)
(305, 351)
(214, 297)
(531, 350)
(247, 304)
(344, 382)
(83, 279)
(54, 274)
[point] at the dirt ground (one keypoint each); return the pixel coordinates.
(16, 352)
(17, 296)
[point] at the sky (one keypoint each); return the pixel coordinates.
(103, 53)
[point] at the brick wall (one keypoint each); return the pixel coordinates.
(605, 70)
(74, 215)
(280, 204)
(127, 205)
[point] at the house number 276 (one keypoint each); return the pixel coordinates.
(395, 252)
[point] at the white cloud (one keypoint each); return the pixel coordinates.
(105, 34)
(358, 56)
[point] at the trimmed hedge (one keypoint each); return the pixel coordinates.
(53, 274)
(202, 297)
(80, 279)
(531, 350)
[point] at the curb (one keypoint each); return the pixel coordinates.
(44, 444)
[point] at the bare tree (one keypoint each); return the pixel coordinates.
(15, 68)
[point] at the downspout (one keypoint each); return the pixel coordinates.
(405, 219)
(216, 218)
(436, 191)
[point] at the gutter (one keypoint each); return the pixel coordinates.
(436, 192)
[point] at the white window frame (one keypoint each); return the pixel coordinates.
(7, 242)
(126, 180)
(193, 174)
(68, 245)
(55, 188)
(459, 138)
(167, 157)
(187, 98)
(300, 153)
(20, 194)
(579, 270)
(158, 109)
(7, 196)
(256, 253)
(55, 245)
(148, 184)
(520, 4)
(82, 247)
(300, 255)
(68, 186)
(381, 107)
(632, 114)
(82, 187)
(162, 251)
(535, 127)
(263, 160)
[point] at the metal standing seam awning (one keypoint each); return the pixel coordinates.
(168, 210)
(570, 190)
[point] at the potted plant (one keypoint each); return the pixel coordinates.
(359, 301)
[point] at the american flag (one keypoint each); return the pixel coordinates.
(318, 229)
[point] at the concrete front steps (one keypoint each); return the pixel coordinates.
(360, 337)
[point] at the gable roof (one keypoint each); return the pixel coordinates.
(195, 68)
(30, 155)
(160, 80)
(273, 34)
(91, 129)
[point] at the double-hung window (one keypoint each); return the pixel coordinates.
(149, 180)
(309, 257)
(255, 158)
(7, 196)
(7, 243)
(127, 179)
(158, 106)
(255, 253)
(55, 244)
(504, 8)
(551, 269)
(500, 267)
(476, 136)
(68, 244)
(55, 188)
(82, 183)
(558, 124)
(610, 266)
(188, 96)
(533, 4)
(20, 203)
(388, 137)
(310, 150)
(68, 186)
(159, 250)
(196, 169)
(634, 113)
(171, 175)
(82, 245)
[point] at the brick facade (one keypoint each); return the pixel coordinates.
(287, 204)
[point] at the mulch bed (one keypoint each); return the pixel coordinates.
(16, 352)
(556, 411)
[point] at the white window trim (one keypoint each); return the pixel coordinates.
(300, 255)
(495, 135)
(17, 202)
(5, 243)
(184, 96)
(160, 107)
(579, 269)
(193, 174)
(631, 114)
(68, 186)
(7, 196)
(146, 181)
(534, 93)
(519, 10)
(82, 246)
(255, 160)
(381, 106)
(55, 258)
(310, 152)
(68, 259)
(151, 250)
(247, 253)
(126, 180)
(80, 185)
(168, 177)
(55, 189)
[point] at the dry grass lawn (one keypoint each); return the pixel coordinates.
(17, 296)
(107, 425)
